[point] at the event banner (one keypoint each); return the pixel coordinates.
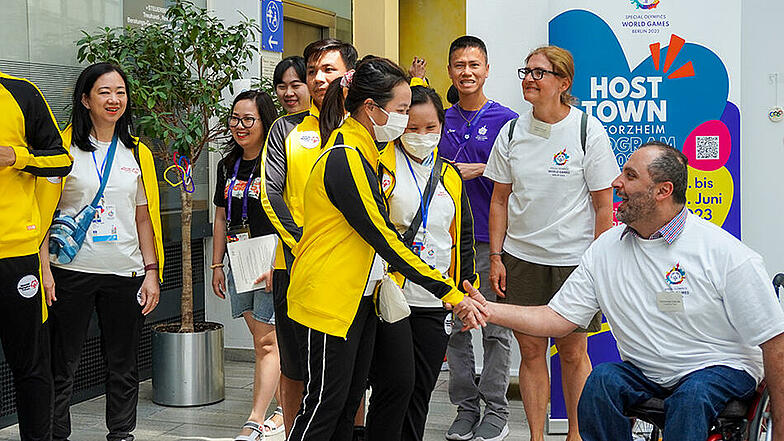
(663, 70)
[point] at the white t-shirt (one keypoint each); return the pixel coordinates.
(124, 192)
(404, 204)
(550, 214)
(729, 307)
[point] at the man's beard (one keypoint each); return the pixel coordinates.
(638, 206)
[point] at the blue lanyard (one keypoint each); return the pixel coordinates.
(461, 143)
(103, 166)
(425, 207)
(244, 194)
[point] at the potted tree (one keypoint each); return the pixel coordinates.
(177, 72)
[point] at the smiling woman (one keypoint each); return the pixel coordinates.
(239, 214)
(116, 271)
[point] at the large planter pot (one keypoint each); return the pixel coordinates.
(187, 368)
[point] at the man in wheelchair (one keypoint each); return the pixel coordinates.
(691, 308)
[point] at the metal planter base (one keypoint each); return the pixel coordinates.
(187, 369)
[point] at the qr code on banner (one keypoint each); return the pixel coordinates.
(707, 147)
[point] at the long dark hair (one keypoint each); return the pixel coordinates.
(266, 108)
(374, 78)
(82, 124)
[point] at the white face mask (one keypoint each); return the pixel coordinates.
(420, 146)
(395, 126)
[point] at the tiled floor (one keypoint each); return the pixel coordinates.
(220, 422)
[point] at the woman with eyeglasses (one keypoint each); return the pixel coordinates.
(238, 213)
(553, 168)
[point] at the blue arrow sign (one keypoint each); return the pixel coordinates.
(272, 25)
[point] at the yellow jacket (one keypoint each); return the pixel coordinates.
(28, 126)
(345, 225)
(292, 147)
(462, 265)
(48, 194)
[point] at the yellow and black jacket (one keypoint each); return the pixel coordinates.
(462, 266)
(49, 194)
(345, 224)
(292, 147)
(28, 126)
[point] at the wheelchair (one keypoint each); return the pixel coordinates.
(741, 420)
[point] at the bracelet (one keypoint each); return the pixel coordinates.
(500, 253)
(150, 267)
(216, 265)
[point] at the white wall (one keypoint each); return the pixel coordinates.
(762, 141)
(236, 334)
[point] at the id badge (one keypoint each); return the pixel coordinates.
(416, 247)
(428, 254)
(669, 301)
(238, 233)
(104, 225)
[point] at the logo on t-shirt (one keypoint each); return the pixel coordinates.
(676, 275)
(559, 169)
(481, 133)
(561, 157)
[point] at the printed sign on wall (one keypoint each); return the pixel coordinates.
(659, 70)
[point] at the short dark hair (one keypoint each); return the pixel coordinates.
(295, 61)
(670, 166)
(424, 95)
(82, 124)
(316, 49)
(467, 41)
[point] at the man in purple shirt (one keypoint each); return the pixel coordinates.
(470, 130)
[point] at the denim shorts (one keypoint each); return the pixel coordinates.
(259, 302)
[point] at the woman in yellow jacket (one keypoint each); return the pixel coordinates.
(347, 236)
(116, 272)
(429, 207)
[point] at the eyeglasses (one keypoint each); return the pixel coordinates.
(247, 121)
(537, 73)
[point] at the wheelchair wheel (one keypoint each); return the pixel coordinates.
(644, 431)
(761, 427)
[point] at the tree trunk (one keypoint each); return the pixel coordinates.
(186, 299)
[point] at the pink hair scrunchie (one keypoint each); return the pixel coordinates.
(348, 77)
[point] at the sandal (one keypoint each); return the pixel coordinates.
(256, 433)
(270, 428)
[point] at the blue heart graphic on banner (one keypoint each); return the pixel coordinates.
(688, 88)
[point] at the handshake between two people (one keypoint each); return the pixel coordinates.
(474, 310)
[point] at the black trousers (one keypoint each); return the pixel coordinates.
(120, 320)
(336, 374)
(406, 361)
(286, 332)
(26, 344)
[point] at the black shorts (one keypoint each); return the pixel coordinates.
(291, 364)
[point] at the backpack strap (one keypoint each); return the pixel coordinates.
(583, 130)
(512, 127)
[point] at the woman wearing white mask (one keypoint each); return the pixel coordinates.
(429, 208)
(346, 237)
